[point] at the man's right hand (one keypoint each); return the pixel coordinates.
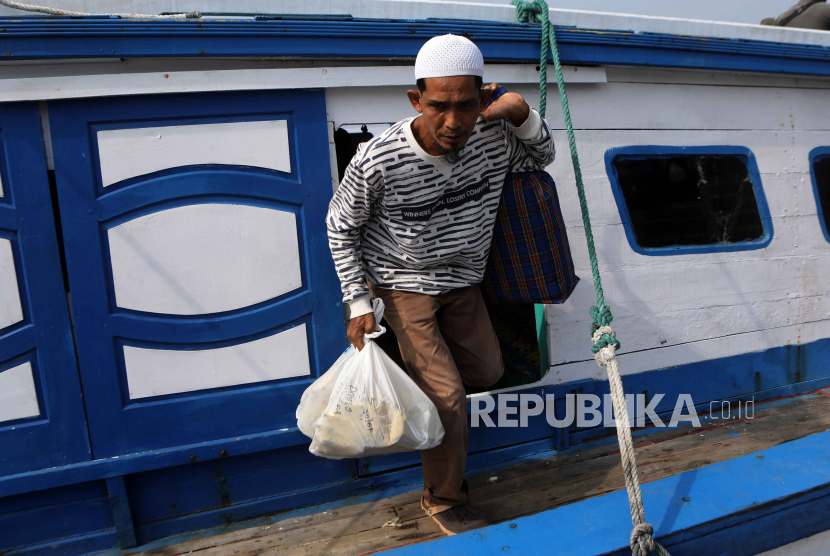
(358, 326)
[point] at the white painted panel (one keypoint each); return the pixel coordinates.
(671, 106)
(49, 86)
(10, 308)
(204, 258)
(630, 74)
(155, 372)
(619, 106)
(126, 153)
(782, 158)
(18, 397)
(335, 174)
(692, 352)
(671, 307)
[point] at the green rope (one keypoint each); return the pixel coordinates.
(642, 541)
(537, 12)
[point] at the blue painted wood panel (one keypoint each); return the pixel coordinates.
(118, 424)
(39, 518)
(58, 436)
(344, 36)
(162, 500)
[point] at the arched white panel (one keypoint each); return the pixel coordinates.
(204, 258)
(10, 308)
(154, 372)
(18, 398)
(126, 153)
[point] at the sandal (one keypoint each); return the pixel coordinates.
(456, 519)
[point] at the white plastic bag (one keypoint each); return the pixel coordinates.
(366, 405)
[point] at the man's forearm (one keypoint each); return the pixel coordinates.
(345, 250)
(348, 213)
(532, 141)
(520, 115)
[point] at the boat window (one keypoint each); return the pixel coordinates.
(706, 200)
(821, 183)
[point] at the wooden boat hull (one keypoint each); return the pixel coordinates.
(131, 148)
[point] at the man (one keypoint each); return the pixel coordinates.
(414, 215)
(807, 14)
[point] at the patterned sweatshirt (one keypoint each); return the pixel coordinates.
(407, 220)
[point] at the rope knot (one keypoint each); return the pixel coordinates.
(531, 12)
(605, 345)
(641, 537)
(602, 333)
(601, 322)
(601, 315)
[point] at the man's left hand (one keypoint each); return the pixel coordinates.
(509, 106)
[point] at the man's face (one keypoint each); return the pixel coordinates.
(450, 107)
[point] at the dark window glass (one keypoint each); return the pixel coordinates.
(821, 168)
(689, 199)
(345, 145)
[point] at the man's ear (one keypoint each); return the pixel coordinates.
(484, 97)
(415, 99)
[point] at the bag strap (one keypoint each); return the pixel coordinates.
(437, 509)
(496, 95)
(798, 11)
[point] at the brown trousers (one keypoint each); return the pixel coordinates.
(445, 340)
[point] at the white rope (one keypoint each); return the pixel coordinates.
(641, 537)
(57, 11)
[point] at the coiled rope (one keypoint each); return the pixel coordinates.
(58, 11)
(605, 343)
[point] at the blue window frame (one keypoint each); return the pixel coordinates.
(820, 166)
(706, 229)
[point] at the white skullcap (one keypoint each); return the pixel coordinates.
(447, 56)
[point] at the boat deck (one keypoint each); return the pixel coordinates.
(528, 487)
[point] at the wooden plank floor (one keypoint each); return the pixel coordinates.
(529, 487)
